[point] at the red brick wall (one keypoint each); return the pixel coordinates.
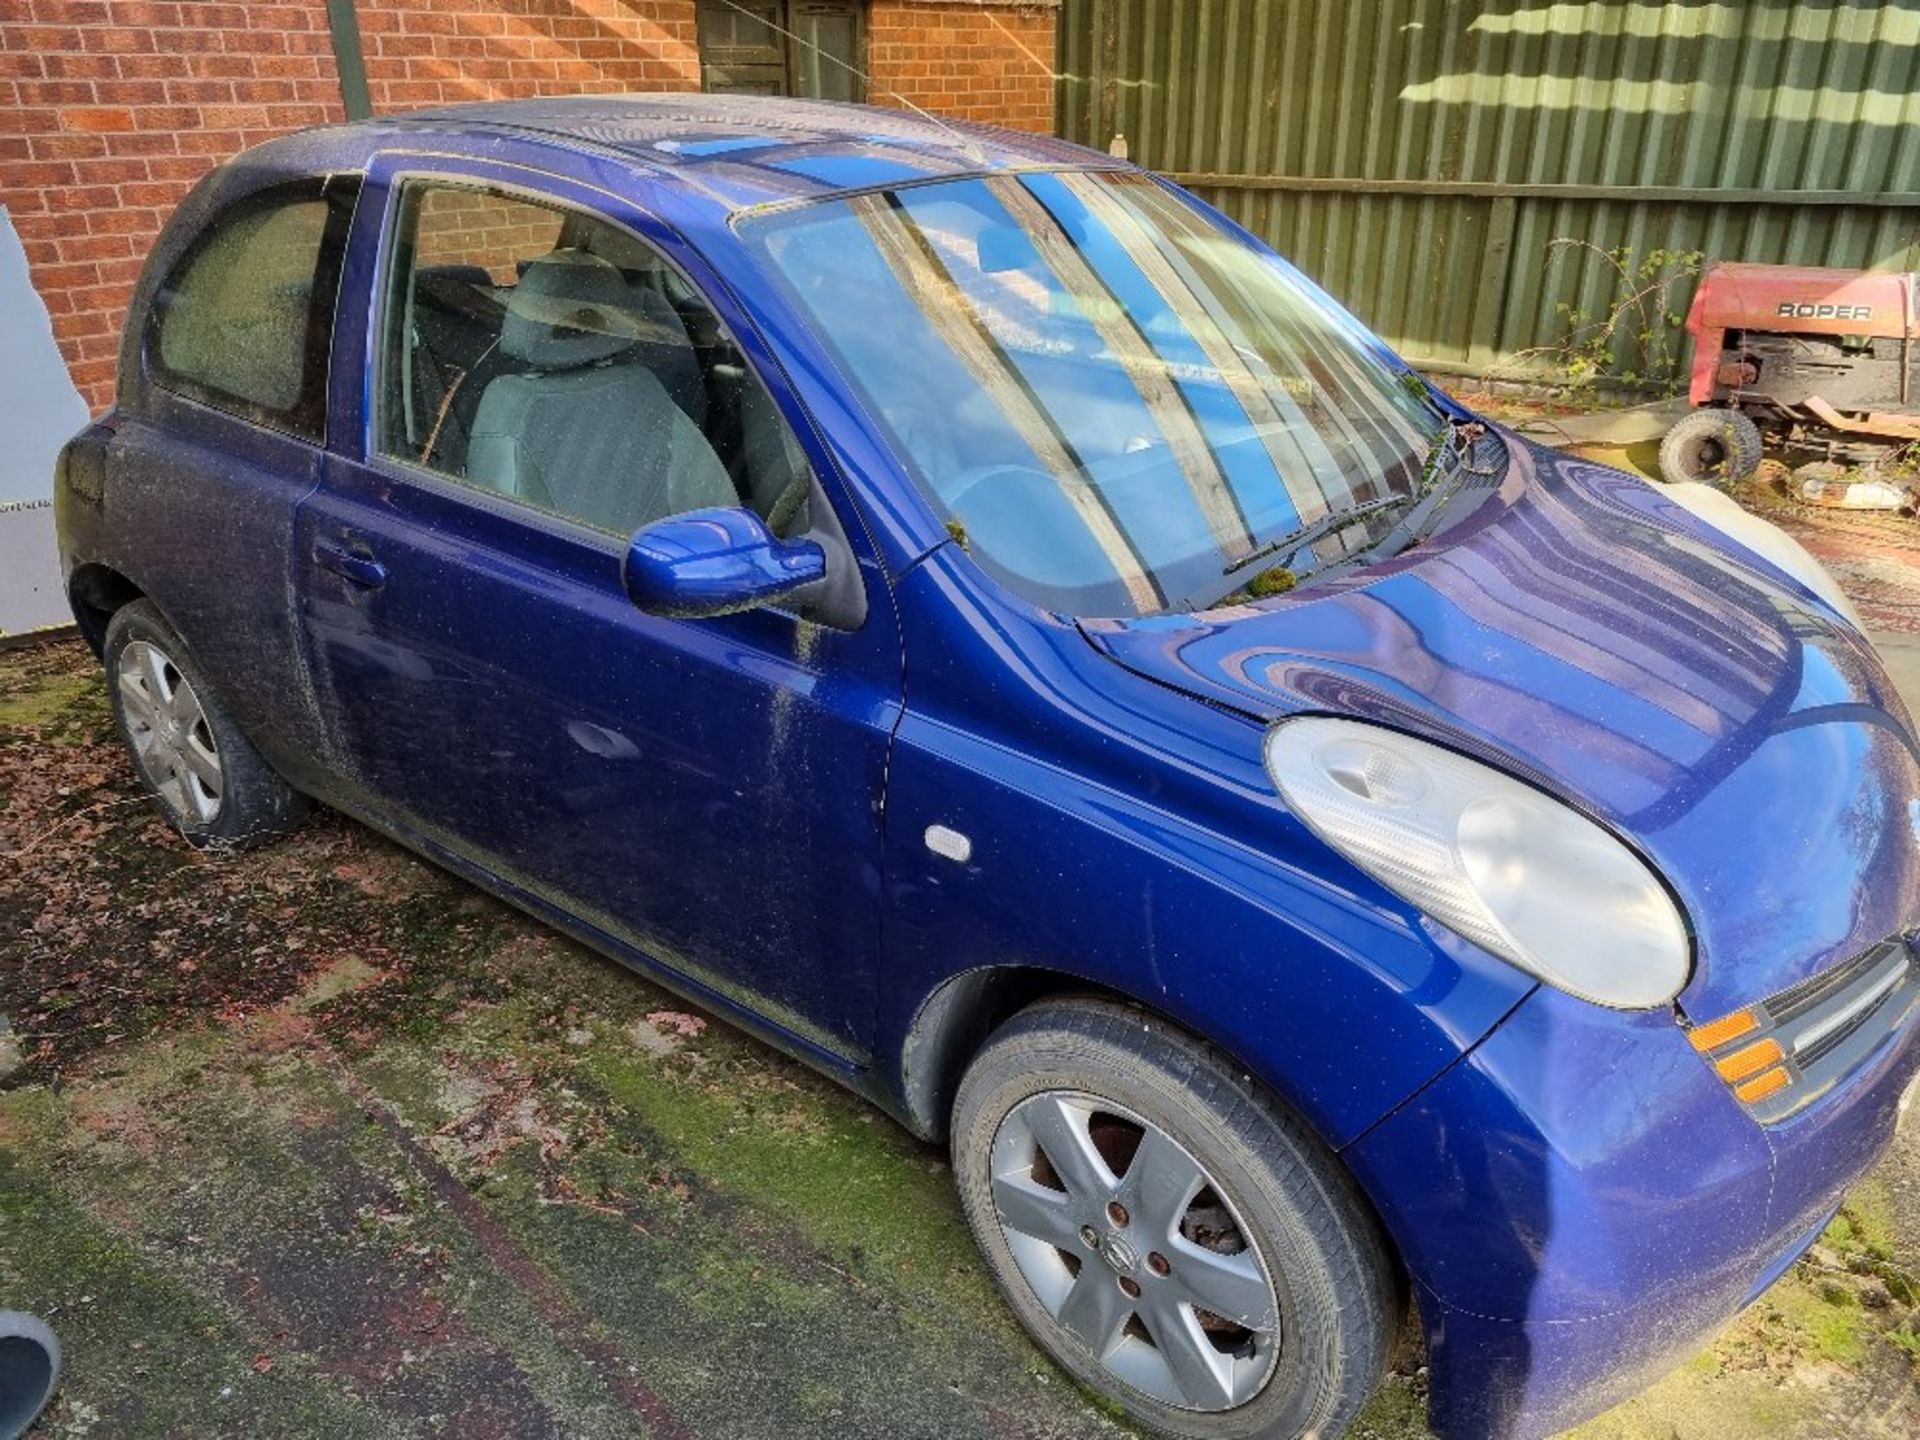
(464, 227)
(432, 52)
(990, 62)
(111, 109)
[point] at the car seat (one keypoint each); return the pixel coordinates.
(588, 431)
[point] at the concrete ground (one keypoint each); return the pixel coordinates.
(318, 1141)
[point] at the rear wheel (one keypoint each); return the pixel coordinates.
(1167, 1231)
(211, 783)
(1711, 447)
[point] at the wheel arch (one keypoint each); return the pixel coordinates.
(953, 1022)
(95, 593)
(963, 1011)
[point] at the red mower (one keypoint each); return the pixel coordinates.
(1819, 361)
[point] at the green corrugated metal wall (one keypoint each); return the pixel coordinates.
(1418, 158)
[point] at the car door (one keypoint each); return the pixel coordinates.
(223, 435)
(705, 791)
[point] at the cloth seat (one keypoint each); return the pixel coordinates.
(588, 431)
(671, 357)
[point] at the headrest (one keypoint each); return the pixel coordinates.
(569, 309)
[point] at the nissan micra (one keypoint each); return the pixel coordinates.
(963, 609)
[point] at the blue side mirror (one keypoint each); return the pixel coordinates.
(716, 562)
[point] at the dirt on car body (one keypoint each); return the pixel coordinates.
(317, 1140)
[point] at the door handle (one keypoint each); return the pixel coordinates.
(350, 565)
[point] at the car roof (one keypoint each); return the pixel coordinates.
(739, 151)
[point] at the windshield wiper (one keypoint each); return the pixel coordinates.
(1452, 450)
(1452, 447)
(1330, 524)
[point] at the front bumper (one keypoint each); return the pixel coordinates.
(1582, 1201)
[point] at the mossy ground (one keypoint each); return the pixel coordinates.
(318, 1141)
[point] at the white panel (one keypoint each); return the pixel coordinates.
(39, 408)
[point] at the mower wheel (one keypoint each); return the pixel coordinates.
(1712, 447)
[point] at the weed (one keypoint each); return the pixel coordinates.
(1634, 339)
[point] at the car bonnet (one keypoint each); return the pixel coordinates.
(1582, 631)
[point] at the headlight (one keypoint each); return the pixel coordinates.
(1514, 871)
(1767, 540)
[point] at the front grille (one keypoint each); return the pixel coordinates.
(1782, 1054)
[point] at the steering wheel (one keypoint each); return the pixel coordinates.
(964, 493)
(922, 426)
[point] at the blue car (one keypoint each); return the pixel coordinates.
(964, 610)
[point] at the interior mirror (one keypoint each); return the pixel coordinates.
(716, 562)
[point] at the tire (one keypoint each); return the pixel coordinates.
(1711, 447)
(209, 781)
(1164, 1112)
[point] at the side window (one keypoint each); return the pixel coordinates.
(244, 321)
(548, 356)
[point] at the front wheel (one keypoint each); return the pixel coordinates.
(1167, 1231)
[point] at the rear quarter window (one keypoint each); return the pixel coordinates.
(244, 320)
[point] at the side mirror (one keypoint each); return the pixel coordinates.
(716, 562)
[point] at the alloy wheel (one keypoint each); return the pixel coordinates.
(172, 741)
(1134, 1248)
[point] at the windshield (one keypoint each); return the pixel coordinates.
(1118, 407)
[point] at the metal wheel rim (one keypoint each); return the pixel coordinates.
(172, 742)
(1109, 1255)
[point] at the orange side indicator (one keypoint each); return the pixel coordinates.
(1763, 1085)
(1715, 1033)
(1750, 1060)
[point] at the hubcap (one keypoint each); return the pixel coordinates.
(1133, 1247)
(172, 742)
